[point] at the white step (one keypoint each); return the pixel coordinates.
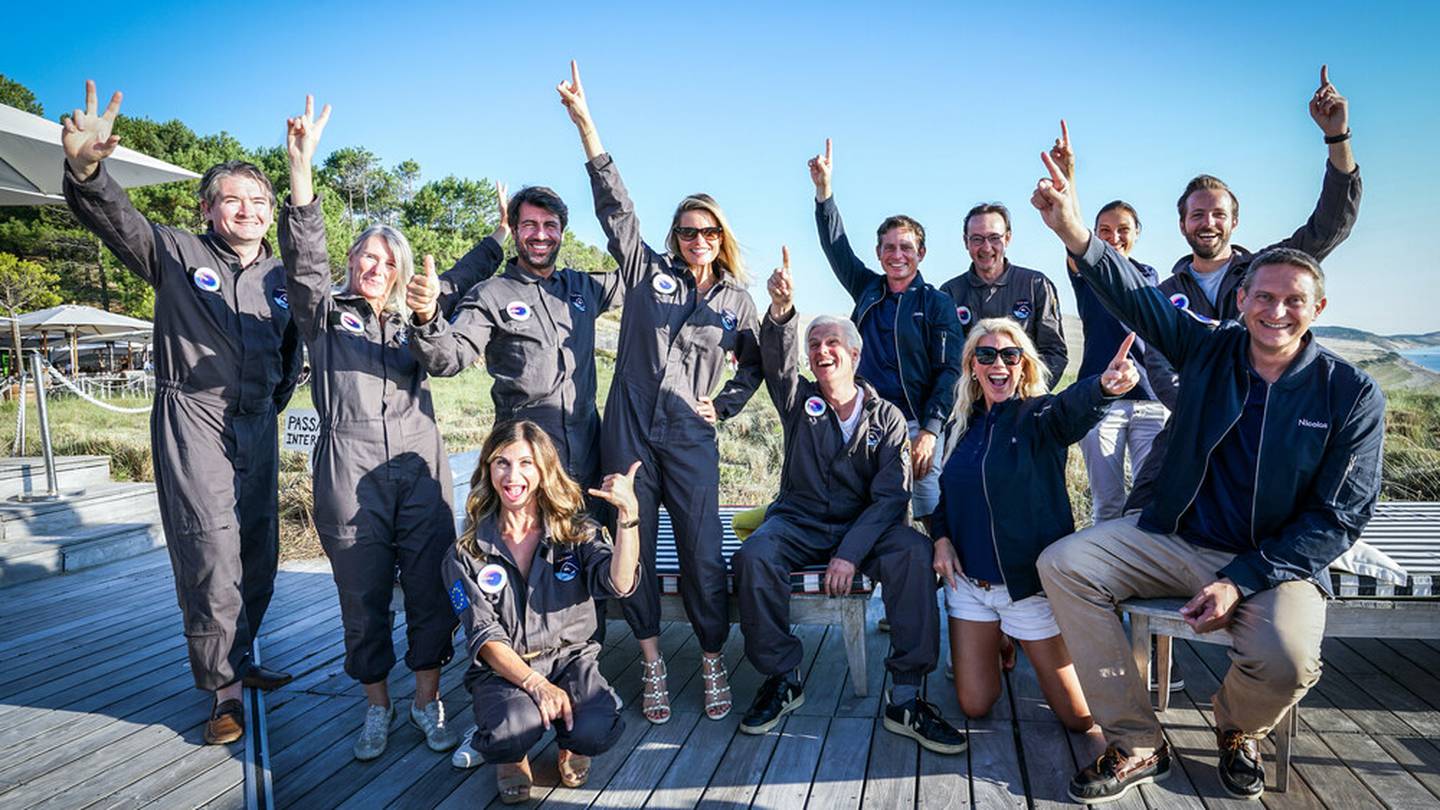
(25, 475)
(98, 506)
(42, 556)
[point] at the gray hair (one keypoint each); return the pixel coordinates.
(847, 329)
(404, 262)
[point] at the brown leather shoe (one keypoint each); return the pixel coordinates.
(266, 679)
(1114, 774)
(226, 723)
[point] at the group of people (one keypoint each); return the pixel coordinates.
(1255, 453)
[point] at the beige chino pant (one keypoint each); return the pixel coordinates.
(1275, 658)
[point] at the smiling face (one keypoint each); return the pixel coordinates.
(986, 238)
(1278, 307)
(373, 269)
(832, 361)
(900, 254)
(699, 250)
(1117, 226)
(998, 382)
(241, 213)
(515, 476)
(538, 237)
(1209, 219)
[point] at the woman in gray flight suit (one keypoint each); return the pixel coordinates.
(523, 578)
(686, 314)
(381, 476)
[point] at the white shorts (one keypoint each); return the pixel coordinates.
(1029, 619)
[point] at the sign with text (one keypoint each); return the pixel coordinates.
(300, 431)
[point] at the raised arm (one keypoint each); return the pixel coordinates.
(1331, 112)
(777, 339)
(1050, 332)
(852, 273)
(622, 574)
(448, 346)
(1073, 412)
(302, 225)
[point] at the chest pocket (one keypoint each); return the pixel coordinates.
(714, 325)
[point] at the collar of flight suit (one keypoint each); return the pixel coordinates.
(232, 258)
(514, 271)
(488, 541)
(1001, 280)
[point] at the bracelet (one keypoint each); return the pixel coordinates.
(629, 524)
(1341, 138)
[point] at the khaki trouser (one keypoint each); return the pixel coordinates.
(1275, 658)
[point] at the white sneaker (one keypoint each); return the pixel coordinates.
(376, 733)
(431, 722)
(465, 756)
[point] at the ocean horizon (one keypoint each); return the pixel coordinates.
(1428, 357)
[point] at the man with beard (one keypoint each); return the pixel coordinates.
(995, 288)
(1204, 283)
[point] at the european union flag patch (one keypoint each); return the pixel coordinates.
(458, 600)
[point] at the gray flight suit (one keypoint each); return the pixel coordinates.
(382, 481)
(547, 618)
(537, 336)
(226, 360)
(1021, 294)
(838, 499)
(674, 343)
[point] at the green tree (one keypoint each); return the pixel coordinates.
(18, 96)
(24, 286)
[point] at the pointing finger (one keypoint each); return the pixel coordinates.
(828, 152)
(785, 258)
(1124, 348)
(1324, 75)
(1064, 133)
(90, 96)
(575, 75)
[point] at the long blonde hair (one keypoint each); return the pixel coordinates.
(1034, 375)
(728, 259)
(561, 503)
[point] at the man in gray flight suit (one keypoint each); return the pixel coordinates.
(226, 360)
(994, 288)
(843, 492)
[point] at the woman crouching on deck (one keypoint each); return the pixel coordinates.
(522, 578)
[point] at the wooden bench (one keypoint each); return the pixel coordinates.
(808, 604)
(1407, 531)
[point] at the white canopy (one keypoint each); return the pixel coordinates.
(81, 320)
(31, 155)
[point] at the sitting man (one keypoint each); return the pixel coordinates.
(1288, 438)
(843, 493)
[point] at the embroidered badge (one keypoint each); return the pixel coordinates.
(963, 313)
(206, 279)
(282, 299)
(664, 283)
(351, 322)
(872, 438)
(568, 569)
(729, 320)
(1180, 300)
(578, 301)
(402, 336)
(815, 406)
(458, 600)
(493, 578)
(518, 311)
(1021, 310)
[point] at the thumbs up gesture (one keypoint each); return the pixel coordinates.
(781, 288)
(423, 291)
(1121, 375)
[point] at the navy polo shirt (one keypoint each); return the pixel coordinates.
(1219, 518)
(1104, 333)
(879, 364)
(962, 507)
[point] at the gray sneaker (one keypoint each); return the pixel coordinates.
(431, 722)
(465, 756)
(376, 733)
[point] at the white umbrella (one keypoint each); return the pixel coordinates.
(31, 155)
(76, 319)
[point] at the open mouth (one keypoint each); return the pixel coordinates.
(514, 492)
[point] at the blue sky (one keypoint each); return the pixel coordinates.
(933, 107)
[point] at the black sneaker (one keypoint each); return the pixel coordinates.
(1242, 774)
(920, 722)
(1111, 777)
(777, 697)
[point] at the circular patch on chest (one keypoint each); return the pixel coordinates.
(815, 406)
(1021, 310)
(963, 313)
(664, 283)
(518, 311)
(493, 578)
(351, 322)
(206, 279)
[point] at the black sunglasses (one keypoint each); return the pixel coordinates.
(687, 234)
(985, 355)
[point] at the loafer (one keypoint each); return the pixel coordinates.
(226, 723)
(265, 679)
(1113, 775)
(1242, 773)
(777, 697)
(921, 722)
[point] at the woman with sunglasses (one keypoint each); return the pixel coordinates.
(1002, 501)
(686, 312)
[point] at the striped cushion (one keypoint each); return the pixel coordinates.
(1409, 532)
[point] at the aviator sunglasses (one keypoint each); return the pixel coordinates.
(985, 355)
(688, 234)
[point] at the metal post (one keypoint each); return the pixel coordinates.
(52, 480)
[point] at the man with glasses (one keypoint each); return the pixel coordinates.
(914, 341)
(995, 288)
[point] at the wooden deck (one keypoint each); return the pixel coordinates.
(97, 710)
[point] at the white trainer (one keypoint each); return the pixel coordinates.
(465, 756)
(431, 722)
(375, 735)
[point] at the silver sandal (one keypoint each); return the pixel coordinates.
(655, 698)
(712, 670)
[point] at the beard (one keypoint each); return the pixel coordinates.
(539, 261)
(1204, 250)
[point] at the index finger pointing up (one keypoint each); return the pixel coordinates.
(1324, 75)
(90, 103)
(785, 258)
(1124, 348)
(1064, 133)
(574, 74)
(828, 152)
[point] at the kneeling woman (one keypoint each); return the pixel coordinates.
(523, 577)
(1002, 501)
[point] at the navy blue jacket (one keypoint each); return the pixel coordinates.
(1104, 334)
(1024, 474)
(926, 329)
(1318, 475)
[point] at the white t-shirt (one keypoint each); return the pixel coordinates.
(1210, 282)
(847, 426)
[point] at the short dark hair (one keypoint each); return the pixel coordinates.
(904, 223)
(1118, 205)
(1290, 257)
(540, 197)
(210, 183)
(1207, 182)
(986, 208)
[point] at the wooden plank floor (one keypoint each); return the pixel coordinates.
(97, 710)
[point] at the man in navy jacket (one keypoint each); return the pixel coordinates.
(1275, 471)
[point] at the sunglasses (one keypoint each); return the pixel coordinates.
(712, 234)
(985, 355)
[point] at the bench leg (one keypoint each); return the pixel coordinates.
(1162, 672)
(1140, 646)
(853, 625)
(1284, 737)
